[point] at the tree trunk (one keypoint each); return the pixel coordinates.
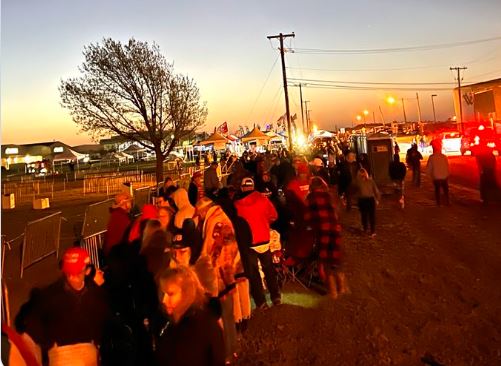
(160, 165)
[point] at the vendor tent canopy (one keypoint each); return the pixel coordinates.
(69, 155)
(256, 135)
(274, 137)
(323, 134)
(216, 139)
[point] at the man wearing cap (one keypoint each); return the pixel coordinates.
(318, 169)
(259, 212)
(70, 316)
(211, 180)
(118, 222)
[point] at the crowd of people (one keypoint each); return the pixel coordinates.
(179, 282)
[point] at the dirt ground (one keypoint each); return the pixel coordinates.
(426, 289)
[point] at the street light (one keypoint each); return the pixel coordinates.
(433, 105)
(366, 113)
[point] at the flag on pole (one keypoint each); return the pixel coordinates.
(293, 121)
(223, 128)
(281, 119)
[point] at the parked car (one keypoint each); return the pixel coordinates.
(451, 142)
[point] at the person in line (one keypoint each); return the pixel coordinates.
(167, 188)
(192, 335)
(118, 222)
(347, 181)
(184, 208)
(318, 169)
(368, 199)
(148, 212)
(259, 212)
(196, 188)
(220, 245)
(70, 315)
(413, 160)
(438, 170)
(321, 216)
(397, 172)
(211, 180)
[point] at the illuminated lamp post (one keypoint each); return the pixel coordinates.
(366, 113)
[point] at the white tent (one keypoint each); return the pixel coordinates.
(69, 155)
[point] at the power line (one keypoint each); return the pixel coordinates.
(368, 82)
(262, 88)
(350, 87)
(395, 49)
(375, 69)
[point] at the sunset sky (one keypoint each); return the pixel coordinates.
(222, 45)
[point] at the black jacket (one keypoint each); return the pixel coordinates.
(397, 170)
(196, 340)
(59, 314)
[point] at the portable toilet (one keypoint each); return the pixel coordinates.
(380, 151)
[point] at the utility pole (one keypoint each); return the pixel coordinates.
(433, 105)
(458, 69)
(287, 111)
(403, 108)
(382, 117)
(420, 124)
(302, 113)
(307, 117)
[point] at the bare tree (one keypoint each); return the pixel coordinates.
(132, 91)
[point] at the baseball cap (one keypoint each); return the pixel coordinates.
(317, 162)
(75, 260)
(247, 183)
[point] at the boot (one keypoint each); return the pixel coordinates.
(331, 286)
(342, 285)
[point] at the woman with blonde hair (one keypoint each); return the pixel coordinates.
(192, 335)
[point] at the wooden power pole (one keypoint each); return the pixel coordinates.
(458, 69)
(287, 111)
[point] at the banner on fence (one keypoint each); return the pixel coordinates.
(41, 239)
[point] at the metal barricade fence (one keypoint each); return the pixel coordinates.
(113, 184)
(96, 217)
(142, 196)
(93, 244)
(41, 239)
(5, 304)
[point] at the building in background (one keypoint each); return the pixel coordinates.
(481, 103)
